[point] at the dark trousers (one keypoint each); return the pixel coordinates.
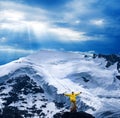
(73, 106)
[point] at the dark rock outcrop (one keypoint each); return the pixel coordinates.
(111, 59)
(73, 115)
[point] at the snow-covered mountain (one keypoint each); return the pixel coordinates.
(33, 86)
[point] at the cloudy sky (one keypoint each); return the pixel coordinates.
(27, 26)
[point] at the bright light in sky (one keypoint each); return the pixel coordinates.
(13, 26)
(9, 49)
(38, 28)
(11, 15)
(99, 22)
(69, 35)
(3, 39)
(77, 21)
(19, 20)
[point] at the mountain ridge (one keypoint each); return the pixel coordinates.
(57, 72)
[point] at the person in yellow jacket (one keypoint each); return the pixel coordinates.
(72, 97)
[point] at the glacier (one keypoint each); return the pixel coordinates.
(36, 84)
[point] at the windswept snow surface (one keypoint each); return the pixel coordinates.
(58, 72)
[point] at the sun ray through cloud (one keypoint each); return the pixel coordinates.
(70, 25)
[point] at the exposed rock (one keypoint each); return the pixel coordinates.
(73, 115)
(111, 59)
(118, 77)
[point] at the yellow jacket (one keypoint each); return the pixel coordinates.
(72, 96)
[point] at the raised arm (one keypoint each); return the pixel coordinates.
(78, 93)
(66, 94)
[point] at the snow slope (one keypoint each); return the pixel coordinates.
(56, 72)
